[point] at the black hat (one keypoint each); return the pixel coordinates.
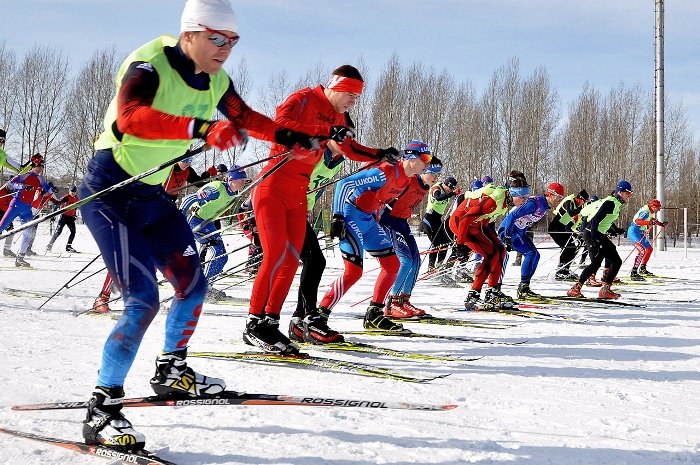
(221, 168)
(583, 195)
(3, 134)
(74, 188)
(450, 182)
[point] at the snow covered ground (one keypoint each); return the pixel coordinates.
(623, 389)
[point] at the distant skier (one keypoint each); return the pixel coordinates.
(513, 229)
(598, 221)
(201, 209)
(439, 198)
(560, 229)
(638, 234)
(25, 186)
(67, 219)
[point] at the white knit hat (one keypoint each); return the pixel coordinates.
(214, 14)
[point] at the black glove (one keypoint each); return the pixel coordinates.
(615, 231)
(338, 226)
(339, 133)
(389, 154)
(656, 222)
(290, 138)
(508, 242)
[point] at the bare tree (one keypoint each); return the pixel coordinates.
(90, 94)
(42, 83)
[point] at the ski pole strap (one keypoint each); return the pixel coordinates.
(89, 198)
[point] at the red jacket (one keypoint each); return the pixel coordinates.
(69, 200)
(396, 182)
(411, 197)
(308, 111)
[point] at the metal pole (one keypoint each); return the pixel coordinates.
(659, 89)
(685, 231)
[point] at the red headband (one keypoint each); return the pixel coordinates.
(345, 84)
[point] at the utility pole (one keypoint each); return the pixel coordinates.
(659, 91)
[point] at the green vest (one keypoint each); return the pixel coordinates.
(3, 161)
(437, 206)
(498, 194)
(320, 176)
(609, 219)
(564, 216)
(213, 208)
(135, 155)
(645, 208)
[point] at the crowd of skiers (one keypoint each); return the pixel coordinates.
(168, 91)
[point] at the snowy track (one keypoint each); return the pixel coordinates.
(622, 391)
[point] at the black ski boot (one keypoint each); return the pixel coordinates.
(316, 328)
(174, 378)
(21, 262)
(644, 272)
(375, 319)
(525, 293)
(264, 332)
(106, 426)
(69, 248)
(472, 300)
(635, 276)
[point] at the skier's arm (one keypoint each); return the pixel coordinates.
(373, 179)
(506, 226)
(643, 219)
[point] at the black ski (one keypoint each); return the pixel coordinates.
(142, 457)
(242, 398)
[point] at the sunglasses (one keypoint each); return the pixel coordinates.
(220, 39)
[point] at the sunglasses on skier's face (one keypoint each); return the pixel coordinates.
(424, 157)
(220, 39)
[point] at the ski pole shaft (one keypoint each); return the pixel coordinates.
(65, 286)
(103, 192)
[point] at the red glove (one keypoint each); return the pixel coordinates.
(224, 135)
(212, 171)
(457, 191)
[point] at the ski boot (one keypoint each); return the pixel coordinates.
(69, 248)
(296, 329)
(593, 282)
(375, 319)
(264, 332)
(29, 252)
(472, 301)
(316, 328)
(21, 262)
(635, 276)
(101, 304)
(497, 299)
(417, 312)
(105, 425)
(174, 378)
(606, 293)
(525, 293)
(8, 253)
(563, 274)
(644, 272)
(575, 291)
(395, 309)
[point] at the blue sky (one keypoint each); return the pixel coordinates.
(602, 42)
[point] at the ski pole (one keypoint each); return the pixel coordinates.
(65, 286)
(105, 191)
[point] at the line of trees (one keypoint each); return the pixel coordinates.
(516, 122)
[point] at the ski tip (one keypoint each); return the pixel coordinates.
(449, 406)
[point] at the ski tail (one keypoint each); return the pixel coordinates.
(142, 457)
